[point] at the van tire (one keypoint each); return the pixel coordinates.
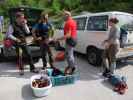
(94, 56)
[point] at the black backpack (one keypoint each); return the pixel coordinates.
(122, 32)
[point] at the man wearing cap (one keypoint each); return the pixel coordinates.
(17, 32)
(70, 37)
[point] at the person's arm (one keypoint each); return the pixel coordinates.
(26, 28)
(9, 33)
(34, 30)
(34, 33)
(51, 30)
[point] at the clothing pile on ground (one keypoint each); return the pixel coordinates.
(119, 83)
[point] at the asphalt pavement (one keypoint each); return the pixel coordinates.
(90, 86)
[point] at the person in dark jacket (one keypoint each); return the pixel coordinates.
(41, 36)
(17, 32)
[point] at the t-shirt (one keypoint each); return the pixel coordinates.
(114, 35)
(42, 28)
(70, 25)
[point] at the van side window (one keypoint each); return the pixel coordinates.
(81, 22)
(98, 23)
(58, 24)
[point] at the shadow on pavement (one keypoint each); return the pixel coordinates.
(10, 70)
(87, 71)
(27, 93)
(106, 84)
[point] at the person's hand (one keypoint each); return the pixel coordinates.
(54, 39)
(39, 38)
(59, 39)
(24, 22)
(104, 42)
(18, 40)
(51, 39)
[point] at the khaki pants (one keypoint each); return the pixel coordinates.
(109, 57)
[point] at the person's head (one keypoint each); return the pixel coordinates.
(67, 14)
(44, 17)
(20, 19)
(113, 21)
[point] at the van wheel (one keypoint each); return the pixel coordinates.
(94, 56)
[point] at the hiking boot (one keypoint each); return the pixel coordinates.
(69, 70)
(106, 73)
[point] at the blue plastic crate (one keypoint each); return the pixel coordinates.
(63, 80)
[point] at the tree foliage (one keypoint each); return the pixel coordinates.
(55, 6)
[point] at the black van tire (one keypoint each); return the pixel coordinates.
(94, 56)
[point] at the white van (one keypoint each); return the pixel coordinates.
(93, 30)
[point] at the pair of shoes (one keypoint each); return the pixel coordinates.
(21, 72)
(106, 73)
(69, 70)
(56, 72)
(34, 71)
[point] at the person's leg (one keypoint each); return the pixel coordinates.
(27, 52)
(105, 59)
(70, 60)
(113, 51)
(19, 60)
(70, 56)
(43, 49)
(50, 56)
(105, 63)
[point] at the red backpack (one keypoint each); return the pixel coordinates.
(8, 43)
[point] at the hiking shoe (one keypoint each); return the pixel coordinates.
(69, 70)
(106, 73)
